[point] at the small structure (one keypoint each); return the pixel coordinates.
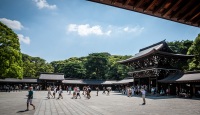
(51, 79)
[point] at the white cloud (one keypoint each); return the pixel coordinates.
(44, 4)
(135, 29)
(23, 39)
(85, 30)
(13, 24)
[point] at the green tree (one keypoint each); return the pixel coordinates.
(97, 65)
(10, 54)
(181, 47)
(74, 69)
(58, 66)
(117, 71)
(33, 66)
(195, 50)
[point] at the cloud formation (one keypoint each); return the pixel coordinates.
(23, 39)
(44, 4)
(85, 30)
(13, 24)
(135, 29)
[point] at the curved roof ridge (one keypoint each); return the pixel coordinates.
(161, 42)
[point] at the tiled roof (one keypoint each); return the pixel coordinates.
(73, 82)
(124, 81)
(19, 80)
(181, 77)
(89, 82)
(153, 49)
(51, 76)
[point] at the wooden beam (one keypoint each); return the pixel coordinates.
(182, 9)
(150, 5)
(190, 12)
(138, 4)
(194, 17)
(162, 5)
(113, 1)
(127, 2)
(171, 8)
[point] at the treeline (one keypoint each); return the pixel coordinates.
(93, 66)
(14, 64)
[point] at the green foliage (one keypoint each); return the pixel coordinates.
(75, 69)
(181, 47)
(10, 55)
(195, 50)
(97, 65)
(93, 66)
(33, 66)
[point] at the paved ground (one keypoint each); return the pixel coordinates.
(14, 103)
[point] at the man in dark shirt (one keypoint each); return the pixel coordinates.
(30, 97)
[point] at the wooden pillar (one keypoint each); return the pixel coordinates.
(149, 84)
(156, 85)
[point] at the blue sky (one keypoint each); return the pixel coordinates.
(59, 29)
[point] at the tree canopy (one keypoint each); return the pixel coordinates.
(33, 66)
(195, 50)
(94, 66)
(10, 54)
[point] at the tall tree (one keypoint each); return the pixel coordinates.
(97, 65)
(74, 69)
(10, 54)
(195, 50)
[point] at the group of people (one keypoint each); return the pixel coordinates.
(131, 91)
(56, 89)
(9, 88)
(76, 93)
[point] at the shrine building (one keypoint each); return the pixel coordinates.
(159, 67)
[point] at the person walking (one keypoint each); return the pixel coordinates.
(78, 93)
(60, 93)
(30, 98)
(104, 90)
(54, 92)
(143, 96)
(49, 92)
(69, 89)
(97, 88)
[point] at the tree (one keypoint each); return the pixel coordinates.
(195, 50)
(10, 54)
(97, 65)
(33, 66)
(74, 69)
(181, 47)
(117, 71)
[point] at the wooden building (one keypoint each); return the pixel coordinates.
(155, 63)
(51, 79)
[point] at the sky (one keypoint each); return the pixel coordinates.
(60, 29)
